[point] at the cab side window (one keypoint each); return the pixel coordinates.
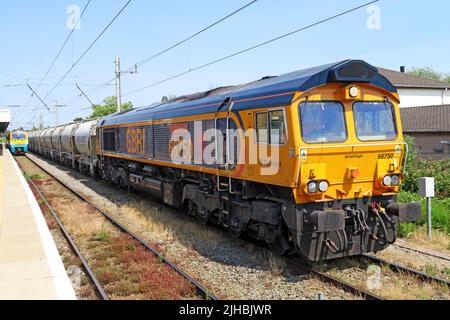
(277, 127)
(262, 128)
(271, 127)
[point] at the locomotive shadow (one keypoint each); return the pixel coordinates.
(210, 242)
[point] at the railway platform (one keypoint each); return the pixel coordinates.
(30, 265)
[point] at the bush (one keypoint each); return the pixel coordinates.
(417, 168)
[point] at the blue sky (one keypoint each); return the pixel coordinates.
(413, 33)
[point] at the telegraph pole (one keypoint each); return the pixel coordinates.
(118, 86)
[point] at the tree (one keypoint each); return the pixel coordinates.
(108, 107)
(78, 120)
(430, 73)
(447, 79)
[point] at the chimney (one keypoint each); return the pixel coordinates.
(403, 69)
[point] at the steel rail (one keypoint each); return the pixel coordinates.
(405, 248)
(200, 288)
(98, 286)
(402, 269)
(347, 287)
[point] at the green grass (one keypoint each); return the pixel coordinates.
(447, 271)
(102, 236)
(432, 270)
(440, 214)
(37, 177)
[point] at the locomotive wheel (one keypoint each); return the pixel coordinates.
(202, 220)
(191, 208)
(202, 216)
(280, 247)
(235, 234)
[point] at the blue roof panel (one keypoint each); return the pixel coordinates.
(274, 91)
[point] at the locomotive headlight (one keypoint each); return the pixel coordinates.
(354, 92)
(387, 181)
(395, 181)
(323, 186)
(312, 187)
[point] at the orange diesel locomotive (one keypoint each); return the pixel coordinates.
(308, 162)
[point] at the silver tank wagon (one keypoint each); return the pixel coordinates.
(85, 138)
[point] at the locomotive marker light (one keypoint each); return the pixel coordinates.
(427, 189)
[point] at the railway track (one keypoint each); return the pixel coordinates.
(201, 290)
(421, 252)
(345, 286)
(101, 293)
(357, 291)
(405, 270)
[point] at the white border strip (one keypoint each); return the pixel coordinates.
(61, 280)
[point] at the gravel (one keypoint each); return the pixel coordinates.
(230, 268)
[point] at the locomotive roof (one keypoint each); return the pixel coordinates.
(269, 91)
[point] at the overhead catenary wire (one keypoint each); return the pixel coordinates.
(63, 45)
(84, 94)
(89, 48)
(322, 21)
(253, 47)
(170, 48)
(146, 60)
(52, 64)
(40, 99)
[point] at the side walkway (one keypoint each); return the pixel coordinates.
(30, 265)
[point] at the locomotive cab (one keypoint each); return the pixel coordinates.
(18, 142)
(351, 160)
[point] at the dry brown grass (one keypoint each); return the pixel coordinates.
(405, 288)
(440, 241)
(394, 286)
(125, 268)
(429, 265)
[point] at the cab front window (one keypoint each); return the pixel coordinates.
(323, 122)
(375, 121)
(18, 136)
